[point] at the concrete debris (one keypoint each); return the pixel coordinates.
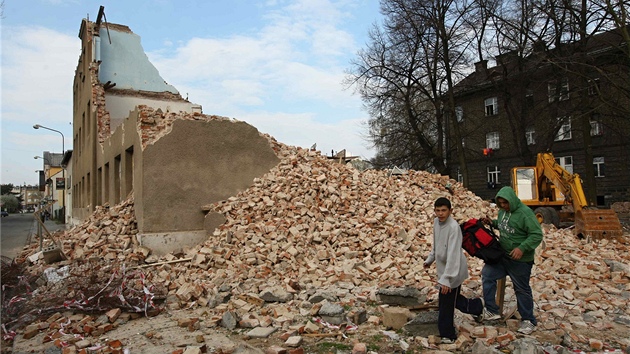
(315, 238)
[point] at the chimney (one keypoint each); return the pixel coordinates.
(539, 46)
(481, 65)
(506, 57)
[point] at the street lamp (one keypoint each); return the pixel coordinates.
(39, 157)
(63, 170)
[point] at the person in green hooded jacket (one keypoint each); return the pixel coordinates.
(520, 234)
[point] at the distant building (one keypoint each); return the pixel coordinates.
(53, 182)
(562, 100)
(133, 133)
(29, 197)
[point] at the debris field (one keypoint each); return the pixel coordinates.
(304, 255)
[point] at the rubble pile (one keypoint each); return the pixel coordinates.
(313, 223)
(92, 286)
(314, 239)
(108, 234)
(97, 274)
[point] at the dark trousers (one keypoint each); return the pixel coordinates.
(447, 303)
(520, 273)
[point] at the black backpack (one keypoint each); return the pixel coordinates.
(481, 242)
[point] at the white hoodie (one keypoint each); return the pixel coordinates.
(447, 252)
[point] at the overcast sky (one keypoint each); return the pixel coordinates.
(276, 64)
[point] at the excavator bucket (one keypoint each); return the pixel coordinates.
(597, 224)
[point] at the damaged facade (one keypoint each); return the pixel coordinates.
(134, 133)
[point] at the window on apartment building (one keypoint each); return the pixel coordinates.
(459, 114)
(564, 133)
(117, 177)
(492, 140)
(596, 125)
(128, 170)
(593, 86)
(88, 129)
(494, 174)
(529, 97)
(106, 183)
(88, 188)
(99, 186)
(491, 105)
(530, 135)
(558, 91)
(598, 166)
(566, 162)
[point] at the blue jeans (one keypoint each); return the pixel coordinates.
(447, 303)
(519, 273)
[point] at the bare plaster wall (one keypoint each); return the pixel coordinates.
(198, 163)
(125, 63)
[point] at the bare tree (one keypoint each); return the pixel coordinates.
(405, 77)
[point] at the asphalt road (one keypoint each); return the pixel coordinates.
(15, 230)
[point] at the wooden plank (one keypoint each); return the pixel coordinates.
(500, 294)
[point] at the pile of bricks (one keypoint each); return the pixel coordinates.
(318, 239)
(74, 331)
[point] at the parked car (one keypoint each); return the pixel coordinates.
(4, 213)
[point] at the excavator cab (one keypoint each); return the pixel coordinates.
(539, 194)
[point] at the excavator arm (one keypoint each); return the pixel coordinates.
(589, 222)
(569, 184)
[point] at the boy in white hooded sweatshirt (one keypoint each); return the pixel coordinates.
(452, 270)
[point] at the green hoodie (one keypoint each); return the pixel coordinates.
(519, 227)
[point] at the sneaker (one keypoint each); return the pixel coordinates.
(489, 316)
(479, 318)
(446, 340)
(527, 327)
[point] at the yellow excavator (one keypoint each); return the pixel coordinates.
(556, 196)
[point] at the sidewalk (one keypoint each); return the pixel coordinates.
(51, 226)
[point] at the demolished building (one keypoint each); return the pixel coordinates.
(308, 234)
(132, 131)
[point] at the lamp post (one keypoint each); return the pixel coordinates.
(63, 170)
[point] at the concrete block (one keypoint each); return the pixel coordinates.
(395, 317)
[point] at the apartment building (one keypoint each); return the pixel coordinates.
(573, 101)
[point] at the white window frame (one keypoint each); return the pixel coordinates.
(564, 89)
(598, 166)
(459, 114)
(566, 162)
(493, 140)
(491, 106)
(530, 136)
(593, 86)
(563, 95)
(596, 126)
(493, 175)
(564, 133)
